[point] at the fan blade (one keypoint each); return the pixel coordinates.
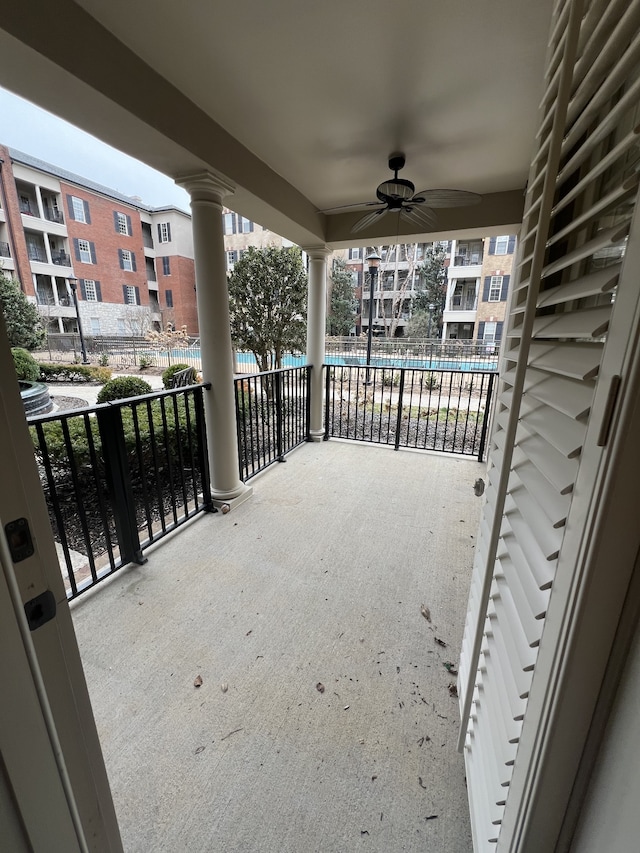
(369, 219)
(361, 204)
(446, 198)
(422, 216)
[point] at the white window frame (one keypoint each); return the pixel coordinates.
(122, 325)
(489, 333)
(90, 291)
(131, 294)
(164, 232)
(127, 260)
(232, 258)
(354, 254)
(78, 209)
(495, 287)
(123, 225)
(502, 245)
(95, 325)
(228, 223)
(85, 254)
(245, 225)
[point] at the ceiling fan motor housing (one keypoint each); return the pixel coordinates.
(395, 190)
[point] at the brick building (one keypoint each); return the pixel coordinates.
(133, 263)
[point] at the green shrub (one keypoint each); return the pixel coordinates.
(26, 366)
(167, 375)
(145, 361)
(103, 359)
(74, 373)
(122, 387)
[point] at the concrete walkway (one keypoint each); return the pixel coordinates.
(89, 393)
(324, 720)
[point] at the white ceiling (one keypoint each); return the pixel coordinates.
(321, 93)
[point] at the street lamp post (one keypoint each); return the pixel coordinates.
(373, 261)
(73, 284)
(432, 308)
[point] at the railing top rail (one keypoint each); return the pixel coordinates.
(126, 401)
(373, 367)
(272, 372)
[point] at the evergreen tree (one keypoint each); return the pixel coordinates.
(24, 325)
(268, 304)
(342, 306)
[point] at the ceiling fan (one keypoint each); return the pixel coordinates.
(399, 194)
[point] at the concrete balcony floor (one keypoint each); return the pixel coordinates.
(317, 579)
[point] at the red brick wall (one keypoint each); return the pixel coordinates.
(181, 284)
(102, 232)
(15, 231)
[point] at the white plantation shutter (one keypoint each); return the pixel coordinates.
(580, 200)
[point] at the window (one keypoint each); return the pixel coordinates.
(354, 254)
(130, 295)
(164, 232)
(90, 293)
(229, 223)
(168, 295)
(245, 226)
(95, 325)
(232, 257)
(122, 223)
(84, 250)
(166, 266)
(489, 334)
(79, 209)
(502, 245)
(126, 260)
(121, 326)
(495, 288)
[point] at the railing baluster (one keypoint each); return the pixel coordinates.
(399, 418)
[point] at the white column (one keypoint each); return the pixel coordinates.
(207, 191)
(316, 326)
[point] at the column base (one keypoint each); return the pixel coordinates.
(226, 502)
(316, 435)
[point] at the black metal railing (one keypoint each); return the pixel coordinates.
(36, 253)
(445, 410)
(272, 416)
(430, 354)
(119, 476)
(53, 215)
(61, 259)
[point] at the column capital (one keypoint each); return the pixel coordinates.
(206, 186)
(317, 253)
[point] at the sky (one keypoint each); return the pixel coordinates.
(36, 132)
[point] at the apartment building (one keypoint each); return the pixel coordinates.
(478, 277)
(132, 265)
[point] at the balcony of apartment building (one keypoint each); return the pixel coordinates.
(49, 250)
(52, 296)
(315, 667)
(466, 259)
(462, 301)
(154, 306)
(147, 238)
(40, 208)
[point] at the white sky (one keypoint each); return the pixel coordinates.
(36, 132)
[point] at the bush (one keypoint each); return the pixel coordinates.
(26, 366)
(103, 359)
(145, 361)
(122, 387)
(167, 375)
(74, 373)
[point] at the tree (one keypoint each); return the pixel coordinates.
(398, 281)
(267, 304)
(169, 339)
(433, 291)
(24, 325)
(341, 316)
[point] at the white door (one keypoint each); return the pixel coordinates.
(54, 792)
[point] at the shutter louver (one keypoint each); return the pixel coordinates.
(98, 291)
(92, 249)
(116, 224)
(76, 249)
(133, 262)
(83, 289)
(570, 256)
(492, 246)
(486, 288)
(87, 215)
